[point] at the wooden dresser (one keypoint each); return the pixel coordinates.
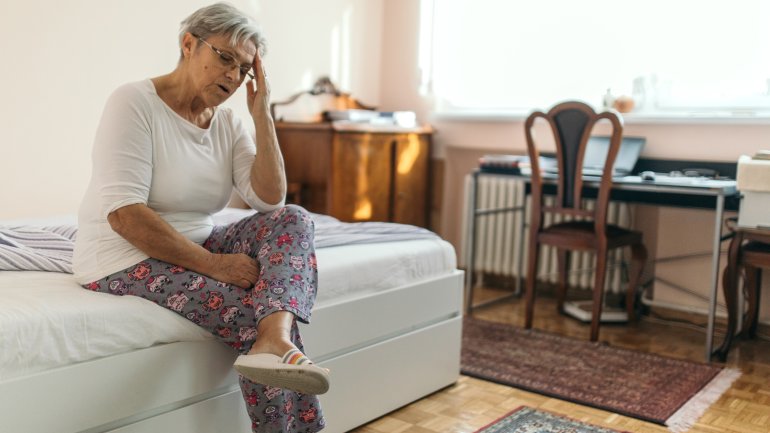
(356, 174)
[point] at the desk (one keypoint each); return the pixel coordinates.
(663, 191)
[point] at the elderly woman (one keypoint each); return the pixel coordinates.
(166, 157)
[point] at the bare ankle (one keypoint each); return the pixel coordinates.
(274, 334)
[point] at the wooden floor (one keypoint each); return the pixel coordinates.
(472, 403)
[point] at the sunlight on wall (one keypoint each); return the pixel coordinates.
(345, 65)
(308, 78)
(425, 49)
(340, 49)
(334, 53)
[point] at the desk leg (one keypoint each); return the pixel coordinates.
(714, 275)
(522, 205)
(470, 254)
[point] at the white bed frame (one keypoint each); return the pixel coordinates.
(385, 350)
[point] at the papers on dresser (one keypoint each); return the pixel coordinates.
(403, 119)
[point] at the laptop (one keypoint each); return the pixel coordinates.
(596, 154)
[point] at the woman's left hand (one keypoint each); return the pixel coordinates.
(258, 92)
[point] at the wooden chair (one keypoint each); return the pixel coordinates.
(571, 124)
(748, 254)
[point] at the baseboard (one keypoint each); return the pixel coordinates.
(684, 316)
(613, 301)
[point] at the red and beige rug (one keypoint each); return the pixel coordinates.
(528, 420)
(666, 391)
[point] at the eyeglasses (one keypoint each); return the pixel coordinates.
(229, 61)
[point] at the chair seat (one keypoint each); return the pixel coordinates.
(582, 235)
(756, 254)
(756, 247)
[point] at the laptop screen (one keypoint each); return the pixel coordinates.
(596, 154)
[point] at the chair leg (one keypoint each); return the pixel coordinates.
(757, 291)
(638, 260)
(563, 259)
(532, 261)
(598, 302)
(730, 291)
(753, 279)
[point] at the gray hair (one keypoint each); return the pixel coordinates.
(223, 19)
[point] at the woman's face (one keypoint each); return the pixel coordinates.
(216, 66)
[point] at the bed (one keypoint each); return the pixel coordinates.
(387, 322)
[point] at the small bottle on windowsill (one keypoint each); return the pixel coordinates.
(608, 100)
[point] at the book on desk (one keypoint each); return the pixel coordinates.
(513, 164)
(503, 164)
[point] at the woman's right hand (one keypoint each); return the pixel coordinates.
(258, 92)
(237, 269)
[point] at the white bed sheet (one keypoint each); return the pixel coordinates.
(47, 320)
(356, 270)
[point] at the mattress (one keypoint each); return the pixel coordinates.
(47, 320)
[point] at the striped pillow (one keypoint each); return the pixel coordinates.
(37, 248)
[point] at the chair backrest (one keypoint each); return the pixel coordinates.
(572, 123)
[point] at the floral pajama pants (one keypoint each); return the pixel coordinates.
(282, 243)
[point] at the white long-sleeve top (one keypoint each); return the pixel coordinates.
(144, 152)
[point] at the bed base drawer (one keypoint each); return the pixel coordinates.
(224, 413)
(371, 382)
(107, 393)
(346, 326)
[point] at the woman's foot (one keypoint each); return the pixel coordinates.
(275, 361)
(292, 371)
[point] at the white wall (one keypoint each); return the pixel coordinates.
(61, 60)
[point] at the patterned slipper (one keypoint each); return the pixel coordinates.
(293, 371)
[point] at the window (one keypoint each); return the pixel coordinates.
(678, 58)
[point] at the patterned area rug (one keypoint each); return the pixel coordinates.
(641, 385)
(528, 420)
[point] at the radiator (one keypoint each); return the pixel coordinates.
(498, 237)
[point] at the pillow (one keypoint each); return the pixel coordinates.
(37, 248)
